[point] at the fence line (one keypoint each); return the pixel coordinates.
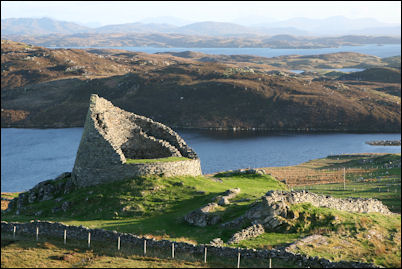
(79, 232)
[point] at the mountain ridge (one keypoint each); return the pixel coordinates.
(296, 26)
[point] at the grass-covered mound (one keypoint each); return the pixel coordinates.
(152, 205)
(372, 238)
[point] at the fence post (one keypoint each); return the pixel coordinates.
(344, 178)
(14, 229)
(205, 255)
(172, 250)
(65, 236)
(238, 259)
(145, 247)
(37, 233)
(89, 239)
(118, 243)
(270, 262)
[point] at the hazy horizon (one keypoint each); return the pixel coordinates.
(96, 14)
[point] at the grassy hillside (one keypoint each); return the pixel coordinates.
(372, 238)
(26, 253)
(391, 75)
(153, 205)
(368, 175)
(51, 88)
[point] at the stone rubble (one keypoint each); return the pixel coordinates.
(247, 233)
(229, 194)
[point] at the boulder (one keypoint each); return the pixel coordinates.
(203, 216)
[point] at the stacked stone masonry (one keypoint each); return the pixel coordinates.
(112, 135)
(55, 229)
(247, 233)
(355, 205)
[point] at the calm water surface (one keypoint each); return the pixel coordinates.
(29, 156)
(372, 49)
(346, 70)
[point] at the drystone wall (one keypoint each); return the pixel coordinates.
(112, 135)
(55, 229)
(86, 176)
(355, 205)
(247, 233)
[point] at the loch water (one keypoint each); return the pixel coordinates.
(29, 156)
(387, 50)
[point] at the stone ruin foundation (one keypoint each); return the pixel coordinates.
(112, 135)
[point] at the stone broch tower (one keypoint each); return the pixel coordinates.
(112, 135)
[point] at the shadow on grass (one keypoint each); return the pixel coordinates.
(167, 223)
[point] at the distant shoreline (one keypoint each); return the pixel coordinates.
(238, 130)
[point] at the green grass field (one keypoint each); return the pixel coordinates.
(155, 206)
(381, 184)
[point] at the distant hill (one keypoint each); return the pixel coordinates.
(394, 61)
(136, 28)
(42, 26)
(50, 88)
(232, 40)
(216, 29)
(339, 25)
(333, 26)
(283, 31)
(383, 31)
(377, 74)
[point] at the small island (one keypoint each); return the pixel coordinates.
(384, 142)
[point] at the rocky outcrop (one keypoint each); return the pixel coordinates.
(384, 143)
(225, 198)
(250, 232)
(216, 242)
(112, 135)
(242, 172)
(273, 212)
(206, 215)
(43, 191)
(203, 216)
(315, 239)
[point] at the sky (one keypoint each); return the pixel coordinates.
(116, 12)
